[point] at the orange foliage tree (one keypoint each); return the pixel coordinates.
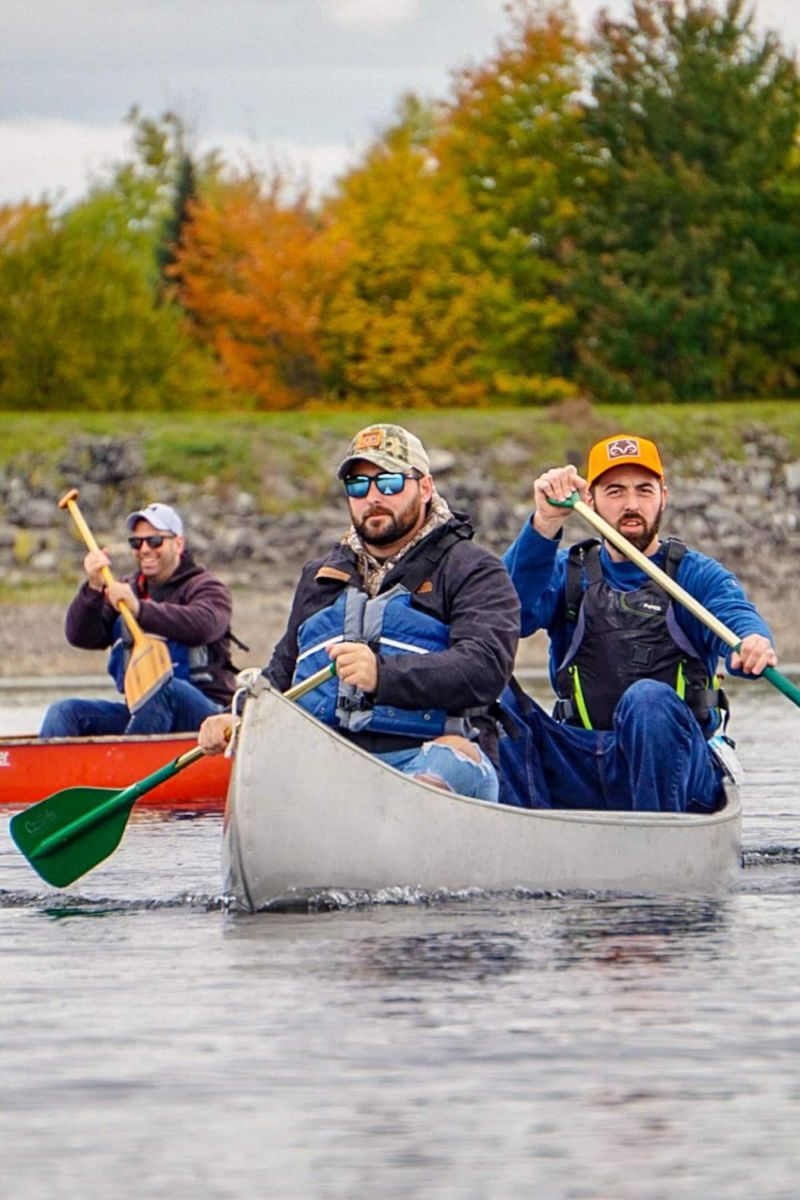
(455, 227)
(253, 274)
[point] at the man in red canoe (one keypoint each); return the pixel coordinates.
(639, 703)
(170, 596)
(421, 623)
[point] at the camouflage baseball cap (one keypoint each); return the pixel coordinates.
(389, 447)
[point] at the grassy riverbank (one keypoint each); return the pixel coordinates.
(266, 452)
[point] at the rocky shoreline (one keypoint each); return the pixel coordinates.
(745, 514)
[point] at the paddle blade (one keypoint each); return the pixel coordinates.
(149, 668)
(71, 831)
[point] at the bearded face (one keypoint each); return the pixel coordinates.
(382, 523)
(637, 530)
(632, 500)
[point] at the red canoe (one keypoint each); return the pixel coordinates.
(33, 768)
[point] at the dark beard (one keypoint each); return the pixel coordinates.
(399, 525)
(640, 540)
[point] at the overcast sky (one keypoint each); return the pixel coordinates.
(306, 82)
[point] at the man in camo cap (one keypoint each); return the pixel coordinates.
(421, 623)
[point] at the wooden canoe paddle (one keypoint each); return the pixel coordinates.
(672, 588)
(73, 830)
(150, 665)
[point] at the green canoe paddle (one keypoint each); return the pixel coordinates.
(672, 588)
(73, 830)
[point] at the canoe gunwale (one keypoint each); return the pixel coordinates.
(32, 768)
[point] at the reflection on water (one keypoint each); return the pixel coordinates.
(618, 931)
(469, 954)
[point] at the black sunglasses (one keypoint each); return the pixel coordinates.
(154, 540)
(387, 483)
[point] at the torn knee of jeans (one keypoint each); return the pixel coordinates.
(458, 754)
(437, 781)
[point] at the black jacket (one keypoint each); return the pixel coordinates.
(466, 587)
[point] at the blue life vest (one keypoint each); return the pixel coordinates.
(389, 624)
(188, 662)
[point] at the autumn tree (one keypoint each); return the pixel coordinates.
(512, 137)
(687, 271)
(253, 278)
(401, 329)
(79, 325)
(454, 224)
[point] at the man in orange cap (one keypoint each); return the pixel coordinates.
(638, 703)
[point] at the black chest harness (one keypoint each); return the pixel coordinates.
(621, 637)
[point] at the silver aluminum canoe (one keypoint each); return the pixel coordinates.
(309, 812)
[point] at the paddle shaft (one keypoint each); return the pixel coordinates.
(70, 503)
(128, 797)
(123, 799)
(313, 681)
(672, 588)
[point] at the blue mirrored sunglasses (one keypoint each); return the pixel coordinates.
(387, 484)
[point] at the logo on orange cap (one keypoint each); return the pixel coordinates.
(620, 449)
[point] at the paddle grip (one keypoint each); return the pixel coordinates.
(69, 502)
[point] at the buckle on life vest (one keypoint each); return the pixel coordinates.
(564, 710)
(351, 704)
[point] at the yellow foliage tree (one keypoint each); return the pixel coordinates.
(400, 329)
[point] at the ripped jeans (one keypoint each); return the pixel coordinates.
(462, 774)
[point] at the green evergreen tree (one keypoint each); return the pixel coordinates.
(687, 262)
(185, 194)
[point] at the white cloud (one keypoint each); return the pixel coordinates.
(318, 165)
(376, 15)
(61, 159)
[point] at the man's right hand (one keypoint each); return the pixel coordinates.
(556, 484)
(93, 565)
(215, 733)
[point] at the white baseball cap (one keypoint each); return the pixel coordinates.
(160, 516)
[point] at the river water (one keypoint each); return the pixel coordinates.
(155, 1044)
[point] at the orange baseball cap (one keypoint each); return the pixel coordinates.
(621, 449)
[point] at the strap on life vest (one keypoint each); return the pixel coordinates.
(423, 564)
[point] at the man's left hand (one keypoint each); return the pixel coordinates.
(356, 664)
(754, 654)
(118, 590)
